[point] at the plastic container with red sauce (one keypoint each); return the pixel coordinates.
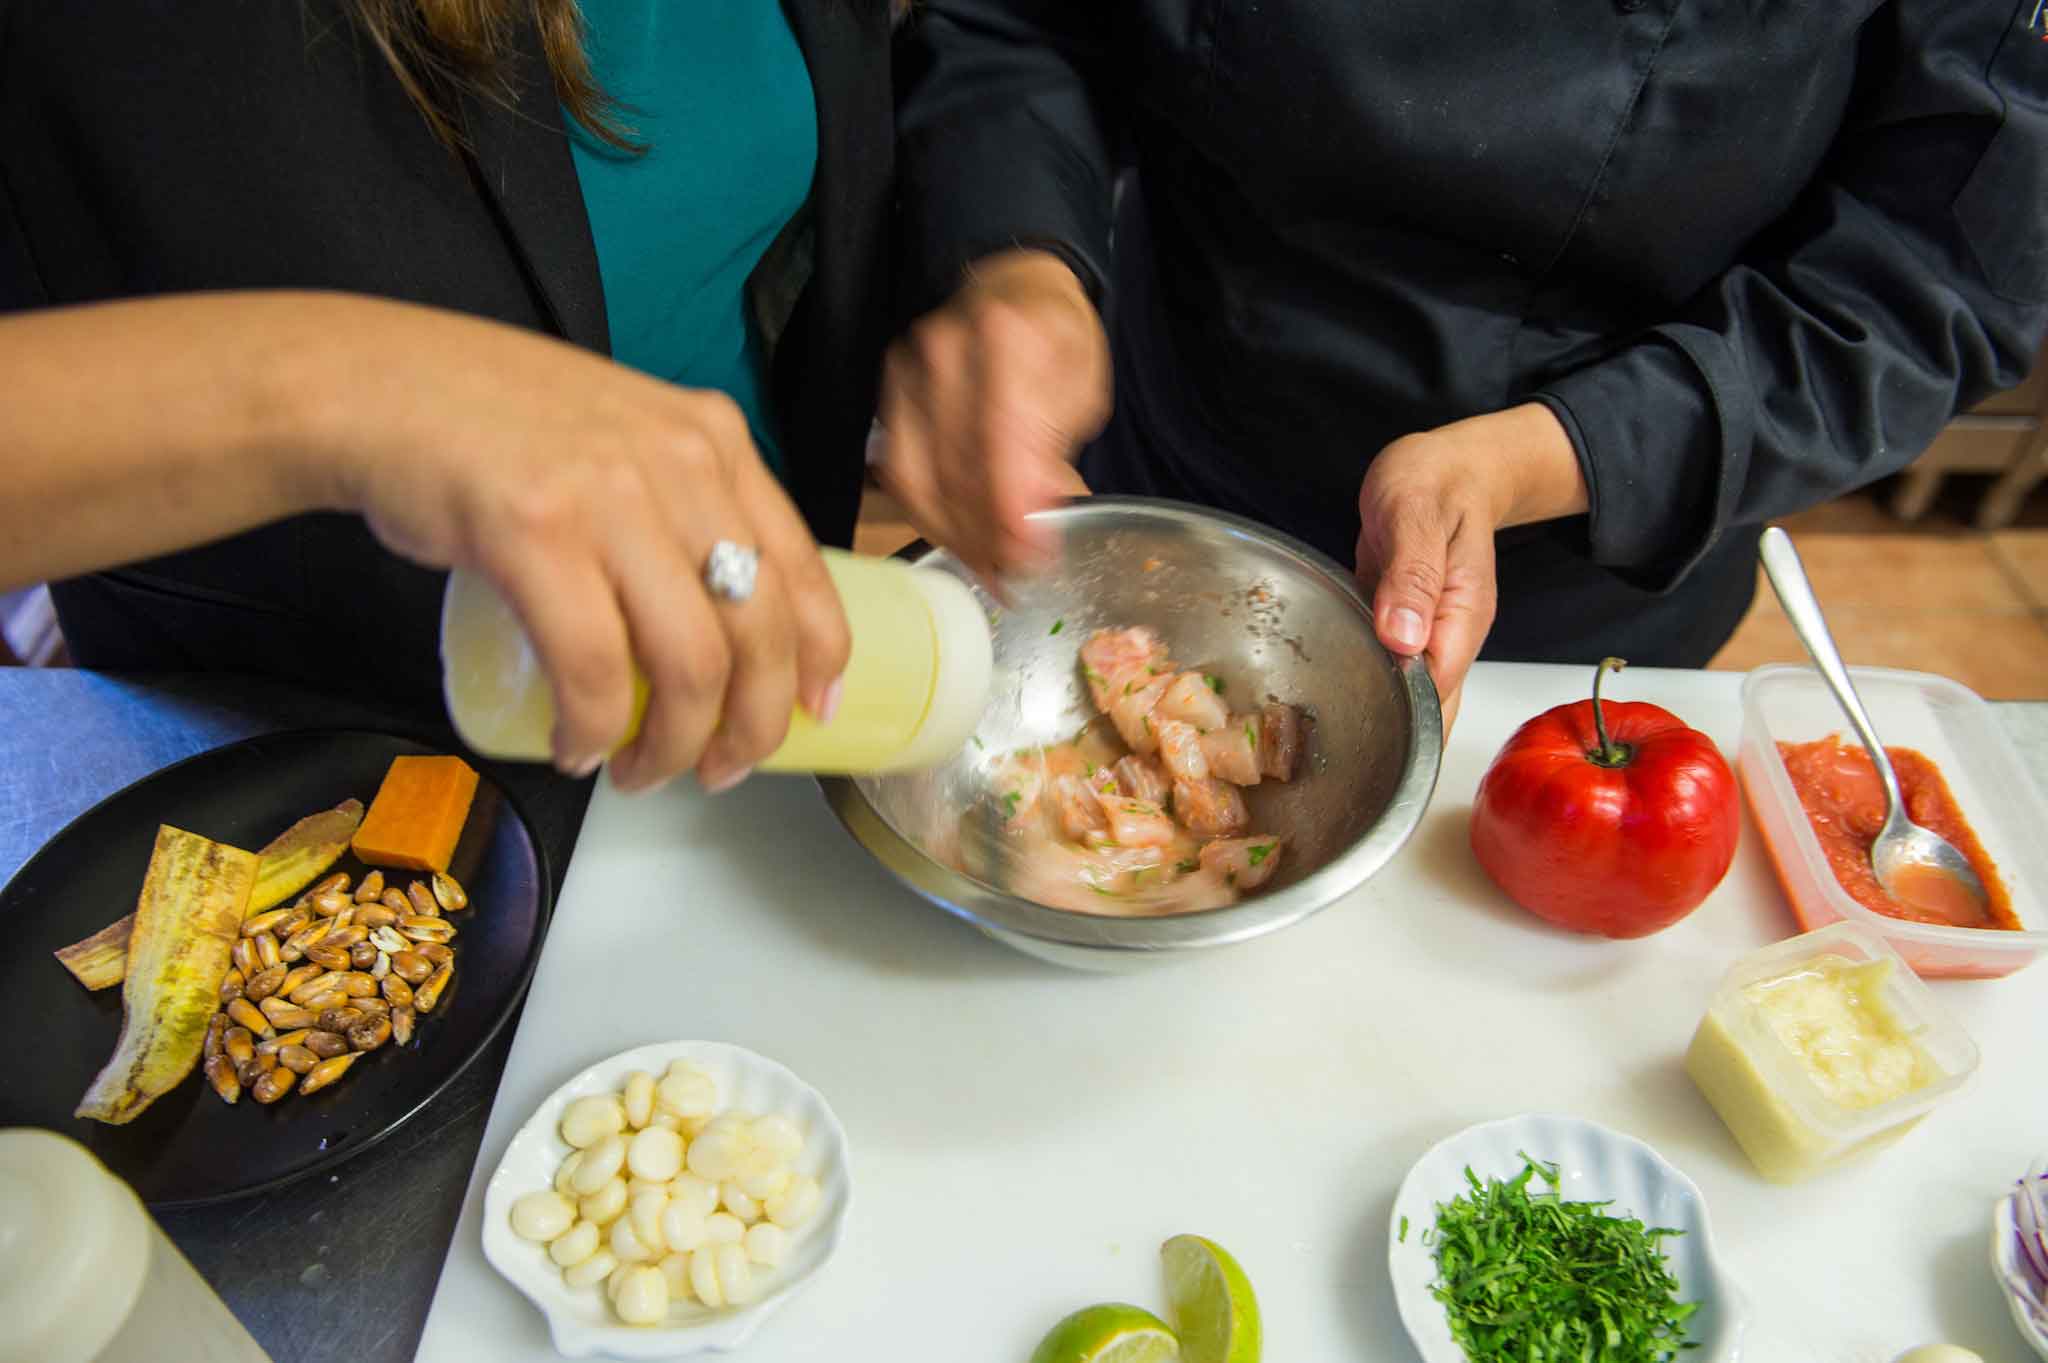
(1953, 726)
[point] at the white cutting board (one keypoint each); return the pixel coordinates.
(1024, 1137)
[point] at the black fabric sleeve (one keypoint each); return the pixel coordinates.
(1909, 281)
(1003, 140)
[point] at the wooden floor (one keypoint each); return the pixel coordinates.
(1934, 596)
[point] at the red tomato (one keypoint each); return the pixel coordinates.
(1612, 818)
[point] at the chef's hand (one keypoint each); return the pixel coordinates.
(591, 496)
(1428, 510)
(986, 401)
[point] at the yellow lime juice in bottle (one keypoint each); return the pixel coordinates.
(914, 688)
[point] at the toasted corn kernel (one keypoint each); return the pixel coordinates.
(232, 986)
(372, 886)
(295, 1037)
(220, 1072)
(245, 1014)
(326, 1045)
(297, 1059)
(274, 1085)
(448, 890)
(326, 1072)
(428, 995)
(258, 924)
(402, 1018)
(423, 901)
(266, 982)
(370, 1033)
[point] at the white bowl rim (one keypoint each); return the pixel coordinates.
(722, 1332)
(1729, 1299)
(2005, 1260)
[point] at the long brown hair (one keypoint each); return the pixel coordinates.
(442, 49)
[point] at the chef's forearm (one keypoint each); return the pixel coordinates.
(136, 428)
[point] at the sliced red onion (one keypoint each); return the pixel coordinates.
(2031, 1220)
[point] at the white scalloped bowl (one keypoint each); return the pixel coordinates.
(580, 1319)
(1594, 1165)
(2015, 1279)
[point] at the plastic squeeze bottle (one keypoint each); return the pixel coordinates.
(914, 688)
(86, 1276)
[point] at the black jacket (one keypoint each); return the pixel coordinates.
(1753, 253)
(153, 148)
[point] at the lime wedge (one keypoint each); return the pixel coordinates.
(1110, 1333)
(1211, 1302)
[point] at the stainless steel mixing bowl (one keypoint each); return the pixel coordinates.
(1264, 612)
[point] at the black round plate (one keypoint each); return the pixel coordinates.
(188, 1147)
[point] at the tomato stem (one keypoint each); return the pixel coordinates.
(1609, 753)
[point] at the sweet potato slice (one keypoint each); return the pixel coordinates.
(418, 814)
(287, 864)
(186, 922)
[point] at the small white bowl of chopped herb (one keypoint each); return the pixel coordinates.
(1558, 1230)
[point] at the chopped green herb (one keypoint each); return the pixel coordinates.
(1092, 675)
(1106, 894)
(1528, 1276)
(1190, 864)
(1088, 766)
(1261, 852)
(1215, 682)
(1146, 720)
(978, 743)
(1057, 626)
(1010, 799)
(1403, 1236)
(1251, 734)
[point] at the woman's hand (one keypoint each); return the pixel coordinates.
(1428, 510)
(986, 401)
(591, 496)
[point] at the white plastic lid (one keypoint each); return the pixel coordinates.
(966, 670)
(74, 1249)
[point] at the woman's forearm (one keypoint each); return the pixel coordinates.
(135, 428)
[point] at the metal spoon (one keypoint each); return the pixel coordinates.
(1911, 862)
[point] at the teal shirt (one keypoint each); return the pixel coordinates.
(718, 92)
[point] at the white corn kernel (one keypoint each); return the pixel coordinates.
(595, 1269)
(704, 1279)
(691, 1126)
(643, 1297)
(714, 1155)
(587, 1121)
(626, 1245)
(735, 1274)
(691, 1191)
(602, 1207)
(666, 1120)
(644, 1209)
(676, 1268)
(767, 1243)
(638, 1098)
(738, 1203)
(683, 1227)
(764, 1185)
(794, 1205)
(655, 1154)
(565, 1176)
(600, 1164)
(723, 1228)
(616, 1280)
(686, 1094)
(779, 1135)
(542, 1216)
(574, 1245)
